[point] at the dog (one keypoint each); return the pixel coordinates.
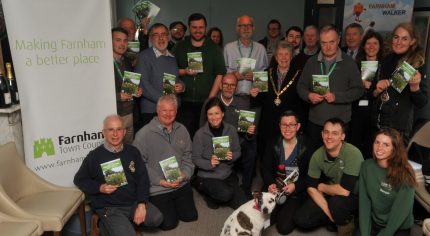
(249, 218)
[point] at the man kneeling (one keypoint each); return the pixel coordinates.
(332, 182)
(125, 199)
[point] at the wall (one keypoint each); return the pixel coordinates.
(223, 13)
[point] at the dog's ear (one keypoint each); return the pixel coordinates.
(259, 197)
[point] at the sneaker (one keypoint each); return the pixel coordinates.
(211, 203)
(346, 230)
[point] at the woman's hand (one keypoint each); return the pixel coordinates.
(414, 82)
(289, 188)
(272, 189)
(229, 155)
(367, 84)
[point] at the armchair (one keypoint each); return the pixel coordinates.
(10, 225)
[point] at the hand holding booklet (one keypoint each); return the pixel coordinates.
(114, 172)
(170, 168)
(131, 82)
(401, 76)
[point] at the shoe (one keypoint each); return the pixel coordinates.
(211, 203)
(346, 230)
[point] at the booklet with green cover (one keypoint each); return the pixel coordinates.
(145, 8)
(169, 81)
(245, 65)
(221, 146)
(368, 70)
(195, 61)
(320, 84)
(131, 82)
(170, 168)
(260, 80)
(114, 172)
(246, 119)
(401, 76)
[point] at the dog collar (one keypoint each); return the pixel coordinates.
(256, 205)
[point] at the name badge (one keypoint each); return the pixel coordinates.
(363, 103)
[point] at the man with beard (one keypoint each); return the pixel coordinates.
(177, 33)
(294, 37)
(124, 101)
(153, 64)
(199, 86)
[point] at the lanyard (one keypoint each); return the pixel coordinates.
(330, 69)
(240, 52)
(118, 69)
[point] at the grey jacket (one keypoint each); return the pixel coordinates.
(345, 83)
(154, 147)
(203, 151)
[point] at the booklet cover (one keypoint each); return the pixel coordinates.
(133, 46)
(368, 70)
(169, 81)
(221, 146)
(261, 80)
(144, 9)
(320, 84)
(114, 173)
(195, 61)
(401, 76)
(131, 82)
(170, 168)
(246, 119)
(292, 177)
(245, 65)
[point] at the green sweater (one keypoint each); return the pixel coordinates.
(388, 208)
(197, 87)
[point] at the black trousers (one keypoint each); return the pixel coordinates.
(175, 206)
(189, 116)
(283, 215)
(342, 209)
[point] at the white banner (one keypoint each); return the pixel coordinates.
(381, 16)
(62, 54)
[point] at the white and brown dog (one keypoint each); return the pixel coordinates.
(249, 218)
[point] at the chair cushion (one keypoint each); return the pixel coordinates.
(53, 208)
(19, 228)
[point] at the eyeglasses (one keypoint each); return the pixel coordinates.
(228, 85)
(288, 126)
(177, 30)
(162, 35)
(245, 25)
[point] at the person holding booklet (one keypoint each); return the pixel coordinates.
(284, 154)
(122, 205)
(392, 108)
(165, 146)
(386, 194)
(368, 60)
(123, 66)
(215, 149)
(157, 67)
(342, 85)
(281, 94)
(242, 117)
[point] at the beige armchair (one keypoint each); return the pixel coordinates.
(25, 195)
(10, 225)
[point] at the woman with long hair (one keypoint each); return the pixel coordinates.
(369, 52)
(394, 109)
(386, 188)
(215, 34)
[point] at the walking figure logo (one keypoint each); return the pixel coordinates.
(43, 145)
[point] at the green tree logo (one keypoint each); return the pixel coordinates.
(43, 145)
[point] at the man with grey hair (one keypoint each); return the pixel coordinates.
(119, 206)
(345, 85)
(164, 138)
(244, 48)
(353, 34)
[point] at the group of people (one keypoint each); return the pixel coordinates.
(325, 136)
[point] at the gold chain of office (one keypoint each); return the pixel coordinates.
(279, 92)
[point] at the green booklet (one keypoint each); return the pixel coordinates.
(401, 76)
(131, 82)
(368, 70)
(169, 81)
(221, 146)
(170, 168)
(195, 61)
(261, 80)
(145, 8)
(133, 46)
(114, 172)
(246, 119)
(320, 84)
(245, 65)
